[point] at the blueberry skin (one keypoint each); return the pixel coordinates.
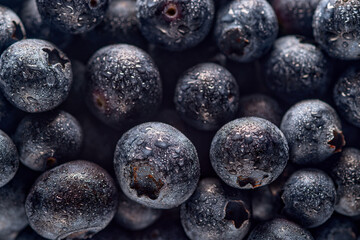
(346, 173)
(313, 131)
(246, 29)
(295, 17)
(249, 152)
(9, 159)
(134, 216)
(262, 106)
(35, 76)
(337, 228)
(346, 92)
(309, 197)
(73, 16)
(73, 201)
(279, 229)
(156, 165)
(206, 96)
(175, 24)
(11, 28)
(216, 211)
(123, 85)
(48, 139)
(296, 70)
(336, 28)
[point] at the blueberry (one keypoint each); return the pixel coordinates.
(216, 211)
(309, 197)
(175, 24)
(262, 106)
(134, 216)
(73, 16)
(123, 85)
(206, 96)
(296, 69)
(11, 28)
(346, 173)
(295, 17)
(279, 229)
(249, 152)
(246, 29)
(156, 165)
(313, 131)
(336, 28)
(346, 92)
(35, 76)
(48, 139)
(9, 159)
(73, 201)
(337, 228)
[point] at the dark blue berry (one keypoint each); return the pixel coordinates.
(207, 96)
(35, 76)
(279, 229)
(123, 85)
(73, 16)
(337, 228)
(48, 139)
(309, 197)
(156, 165)
(9, 159)
(216, 211)
(336, 28)
(313, 131)
(249, 153)
(175, 24)
(296, 70)
(73, 201)
(246, 29)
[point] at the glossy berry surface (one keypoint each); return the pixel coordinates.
(216, 211)
(35, 76)
(246, 29)
(309, 197)
(336, 28)
(72, 201)
(175, 24)
(296, 70)
(249, 152)
(9, 159)
(73, 16)
(313, 131)
(123, 85)
(206, 96)
(156, 165)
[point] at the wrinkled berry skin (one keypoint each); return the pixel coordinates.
(123, 85)
(11, 28)
(246, 29)
(336, 28)
(48, 139)
(9, 159)
(216, 211)
(262, 106)
(175, 24)
(346, 173)
(313, 131)
(296, 70)
(73, 16)
(249, 152)
(206, 96)
(35, 76)
(346, 92)
(279, 229)
(309, 197)
(295, 17)
(73, 201)
(134, 216)
(337, 228)
(156, 165)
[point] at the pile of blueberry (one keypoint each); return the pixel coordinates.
(180, 119)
